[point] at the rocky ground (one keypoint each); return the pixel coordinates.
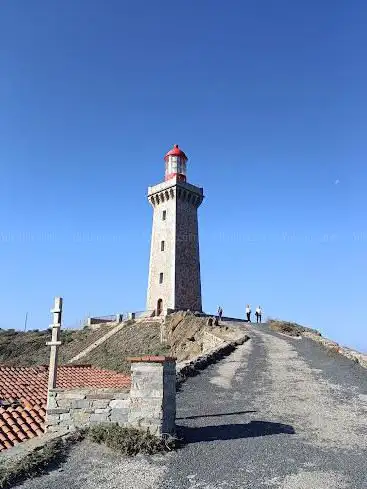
(279, 412)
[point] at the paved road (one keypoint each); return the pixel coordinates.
(277, 413)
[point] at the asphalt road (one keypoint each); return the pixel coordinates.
(277, 413)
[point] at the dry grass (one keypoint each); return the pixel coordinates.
(132, 340)
(184, 341)
(185, 334)
(129, 441)
(18, 348)
(289, 328)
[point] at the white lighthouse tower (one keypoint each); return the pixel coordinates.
(174, 269)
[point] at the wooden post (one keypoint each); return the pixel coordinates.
(55, 342)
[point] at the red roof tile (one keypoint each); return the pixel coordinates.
(23, 396)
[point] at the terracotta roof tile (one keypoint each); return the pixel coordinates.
(23, 396)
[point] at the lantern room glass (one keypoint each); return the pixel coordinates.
(175, 165)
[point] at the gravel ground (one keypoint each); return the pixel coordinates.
(277, 413)
(93, 466)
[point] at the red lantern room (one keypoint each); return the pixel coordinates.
(175, 164)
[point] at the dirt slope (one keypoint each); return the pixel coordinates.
(184, 340)
(185, 332)
(134, 339)
(18, 348)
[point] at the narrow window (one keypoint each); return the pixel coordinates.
(161, 278)
(162, 245)
(164, 215)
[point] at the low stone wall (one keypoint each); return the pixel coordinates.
(211, 341)
(335, 347)
(77, 408)
(190, 368)
(150, 404)
(93, 321)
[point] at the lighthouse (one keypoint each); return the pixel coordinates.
(174, 269)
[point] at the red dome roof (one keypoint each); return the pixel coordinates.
(175, 151)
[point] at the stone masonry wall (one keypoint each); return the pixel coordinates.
(162, 261)
(77, 408)
(150, 404)
(179, 260)
(187, 267)
(210, 341)
(153, 395)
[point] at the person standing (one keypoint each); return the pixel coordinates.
(220, 313)
(258, 314)
(248, 313)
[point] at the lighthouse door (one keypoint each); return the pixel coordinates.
(159, 307)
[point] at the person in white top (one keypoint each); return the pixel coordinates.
(248, 313)
(258, 314)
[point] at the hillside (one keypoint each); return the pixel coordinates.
(184, 337)
(29, 348)
(280, 411)
(18, 348)
(134, 339)
(184, 334)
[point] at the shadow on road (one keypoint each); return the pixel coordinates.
(216, 415)
(232, 431)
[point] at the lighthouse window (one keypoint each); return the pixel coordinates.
(161, 278)
(174, 164)
(164, 215)
(162, 245)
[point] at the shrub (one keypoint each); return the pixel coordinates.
(129, 441)
(289, 328)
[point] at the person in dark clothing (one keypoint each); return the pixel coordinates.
(258, 314)
(220, 313)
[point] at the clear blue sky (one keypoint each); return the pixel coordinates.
(267, 98)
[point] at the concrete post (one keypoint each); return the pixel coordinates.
(55, 342)
(153, 394)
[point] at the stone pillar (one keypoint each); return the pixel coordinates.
(55, 342)
(153, 394)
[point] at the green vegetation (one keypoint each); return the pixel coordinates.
(129, 441)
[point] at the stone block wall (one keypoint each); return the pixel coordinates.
(179, 260)
(187, 263)
(210, 341)
(162, 261)
(151, 402)
(153, 394)
(77, 408)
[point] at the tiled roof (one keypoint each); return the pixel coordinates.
(23, 396)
